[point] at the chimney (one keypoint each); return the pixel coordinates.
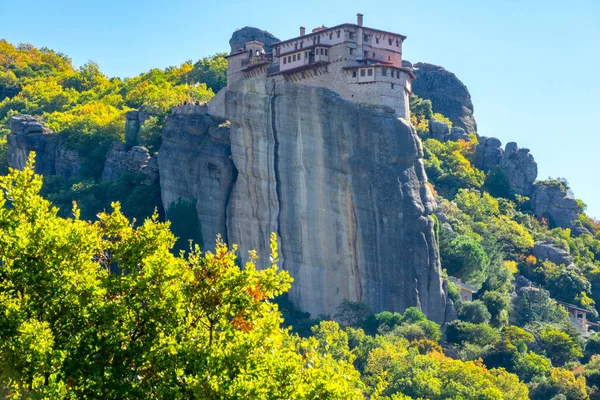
(302, 31)
(359, 19)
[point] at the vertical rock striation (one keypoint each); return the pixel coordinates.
(343, 186)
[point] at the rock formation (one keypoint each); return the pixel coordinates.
(27, 134)
(519, 168)
(488, 153)
(547, 251)
(134, 121)
(447, 93)
(551, 200)
(195, 166)
(342, 186)
(241, 36)
(136, 160)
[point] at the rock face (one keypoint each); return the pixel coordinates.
(517, 165)
(552, 201)
(136, 160)
(342, 186)
(488, 153)
(241, 36)
(547, 251)
(195, 166)
(27, 134)
(133, 122)
(519, 168)
(447, 93)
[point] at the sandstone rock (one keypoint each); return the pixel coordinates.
(447, 93)
(28, 134)
(136, 160)
(519, 168)
(458, 133)
(488, 153)
(241, 36)
(439, 130)
(547, 251)
(345, 189)
(195, 166)
(68, 164)
(133, 122)
(552, 201)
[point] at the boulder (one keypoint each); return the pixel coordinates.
(519, 168)
(545, 251)
(448, 95)
(439, 130)
(241, 36)
(551, 200)
(488, 153)
(136, 160)
(458, 133)
(27, 134)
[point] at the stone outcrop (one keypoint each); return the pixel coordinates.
(488, 153)
(133, 122)
(342, 186)
(547, 251)
(447, 93)
(552, 201)
(195, 166)
(136, 160)
(519, 168)
(27, 134)
(241, 36)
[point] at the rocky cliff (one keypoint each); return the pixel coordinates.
(342, 186)
(447, 93)
(241, 36)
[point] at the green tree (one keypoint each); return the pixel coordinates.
(559, 346)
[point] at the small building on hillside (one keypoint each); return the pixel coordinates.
(361, 64)
(466, 290)
(578, 317)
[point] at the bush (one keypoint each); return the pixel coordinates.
(459, 332)
(464, 258)
(475, 312)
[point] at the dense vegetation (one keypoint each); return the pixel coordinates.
(93, 305)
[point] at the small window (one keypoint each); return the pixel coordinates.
(338, 34)
(362, 72)
(306, 54)
(390, 41)
(295, 46)
(373, 54)
(389, 58)
(302, 44)
(377, 40)
(354, 74)
(330, 36)
(351, 51)
(384, 72)
(325, 51)
(366, 55)
(318, 39)
(351, 35)
(392, 85)
(293, 58)
(284, 60)
(370, 73)
(397, 43)
(289, 59)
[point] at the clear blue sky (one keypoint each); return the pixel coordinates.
(532, 67)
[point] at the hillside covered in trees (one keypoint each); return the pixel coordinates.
(95, 305)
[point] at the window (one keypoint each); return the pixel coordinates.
(397, 43)
(392, 85)
(351, 51)
(330, 36)
(302, 44)
(366, 55)
(325, 51)
(294, 57)
(338, 34)
(377, 40)
(362, 72)
(390, 41)
(370, 73)
(289, 59)
(354, 74)
(295, 46)
(389, 58)
(351, 35)
(384, 72)
(284, 60)
(373, 54)
(318, 39)
(306, 54)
